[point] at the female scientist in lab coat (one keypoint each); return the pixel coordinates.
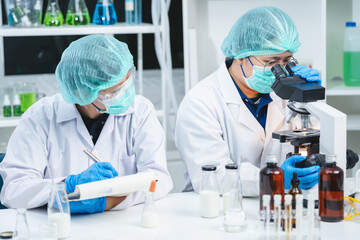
(97, 110)
(233, 112)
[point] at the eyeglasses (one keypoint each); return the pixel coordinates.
(105, 96)
(270, 64)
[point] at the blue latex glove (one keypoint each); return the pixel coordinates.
(311, 75)
(308, 177)
(96, 172)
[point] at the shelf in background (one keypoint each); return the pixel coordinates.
(353, 122)
(9, 122)
(339, 89)
(119, 28)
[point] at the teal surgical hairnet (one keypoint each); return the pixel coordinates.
(91, 64)
(261, 31)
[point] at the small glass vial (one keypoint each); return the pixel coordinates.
(59, 210)
(133, 13)
(17, 106)
(277, 214)
(6, 106)
(288, 217)
(331, 191)
(271, 180)
(22, 231)
(150, 218)
(209, 193)
(229, 184)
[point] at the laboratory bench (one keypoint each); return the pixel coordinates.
(179, 219)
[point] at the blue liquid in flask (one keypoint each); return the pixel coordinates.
(104, 14)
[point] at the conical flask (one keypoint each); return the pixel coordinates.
(53, 15)
(77, 13)
(104, 13)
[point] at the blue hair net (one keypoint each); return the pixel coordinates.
(91, 64)
(261, 31)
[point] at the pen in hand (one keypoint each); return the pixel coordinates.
(92, 155)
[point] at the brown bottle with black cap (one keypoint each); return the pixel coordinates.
(294, 190)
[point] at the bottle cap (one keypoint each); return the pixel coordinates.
(152, 186)
(295, 180)
(232, 166)
(209, 168)
(16, 100)
(277, 199)
(288, 199)
(331, 158)
(266, 199)
(271, 159)
(6, 100)
(350, 24)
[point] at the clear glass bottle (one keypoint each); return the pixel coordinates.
(271, 180)
(331, 191)
(53, 15)
(235, 218)
(209, 193)
(6, 106)
(150, 218)
(22, 231)
(229, 183)
(133, 14)
(104, 13)
(77, 13)
(59, 210)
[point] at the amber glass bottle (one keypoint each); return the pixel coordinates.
(271, 181)
(331, 191)
(294, 190)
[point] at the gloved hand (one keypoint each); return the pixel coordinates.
(311, 75)
(96, 172)
(308, 177)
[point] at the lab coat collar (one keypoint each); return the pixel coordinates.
(68, 111)
(227, 86)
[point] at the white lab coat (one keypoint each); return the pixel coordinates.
(132, 142)
(214, 126)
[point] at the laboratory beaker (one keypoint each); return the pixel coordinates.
(133, 13)
(59, 209)
(53, 15)
(22, 231)
(209, 193)
(235, 219)
(24, 13)
(77, 13)
(104, 13)
(28, 94)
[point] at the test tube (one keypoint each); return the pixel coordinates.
(277, 215)
(288, 216)
(266, 206)
(311, 216)
(299, 216)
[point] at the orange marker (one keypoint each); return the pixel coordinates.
(152, 186)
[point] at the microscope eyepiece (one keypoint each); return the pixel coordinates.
(289, 66)
(278, 71)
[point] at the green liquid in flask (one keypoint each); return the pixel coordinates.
(77, 19)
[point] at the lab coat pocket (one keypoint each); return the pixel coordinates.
(126, 164)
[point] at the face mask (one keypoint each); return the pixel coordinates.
(123, 99)
(260, 80)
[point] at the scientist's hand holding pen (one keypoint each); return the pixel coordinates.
(96, 172)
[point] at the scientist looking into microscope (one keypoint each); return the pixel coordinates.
(97, 110)
(233, 112)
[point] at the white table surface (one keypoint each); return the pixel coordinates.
(179, 217)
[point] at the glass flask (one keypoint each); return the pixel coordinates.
(53, 15)
(150, 218)
(235, 219)
(133, 13)
(209, 193)
(104, 13)
(77, 13)
(24, 13)
(22, 231)
(59, 210)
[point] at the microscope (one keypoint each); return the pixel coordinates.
(304, 99)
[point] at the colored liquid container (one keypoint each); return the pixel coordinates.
(352, 55)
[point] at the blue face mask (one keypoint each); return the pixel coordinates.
(121, 100)
(261, 80)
